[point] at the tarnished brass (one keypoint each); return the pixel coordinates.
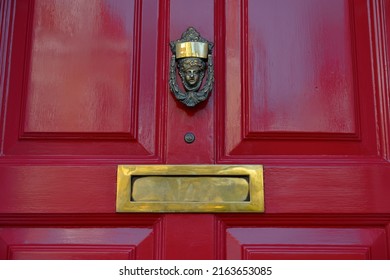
(190, 188)
(192, 56)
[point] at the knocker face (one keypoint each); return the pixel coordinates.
(192, 58)
(191, 71)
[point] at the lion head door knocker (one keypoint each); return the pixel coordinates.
(192, 55)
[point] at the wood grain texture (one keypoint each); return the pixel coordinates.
(34, 189)
(300, 189)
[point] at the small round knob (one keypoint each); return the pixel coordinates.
(189, 137)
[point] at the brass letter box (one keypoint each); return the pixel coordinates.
(190, 188)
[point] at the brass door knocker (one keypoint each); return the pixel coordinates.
(193, 56)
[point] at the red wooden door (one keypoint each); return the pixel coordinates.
(301, 87)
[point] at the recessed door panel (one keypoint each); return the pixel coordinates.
(299, 91)
(78, 86)
(76, 243)
(305, 243)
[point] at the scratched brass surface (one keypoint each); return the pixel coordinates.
(192, 49)
(190, 188)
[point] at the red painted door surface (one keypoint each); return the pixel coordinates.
(301, 86)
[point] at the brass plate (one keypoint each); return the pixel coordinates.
(192, 49)
(190, 188)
